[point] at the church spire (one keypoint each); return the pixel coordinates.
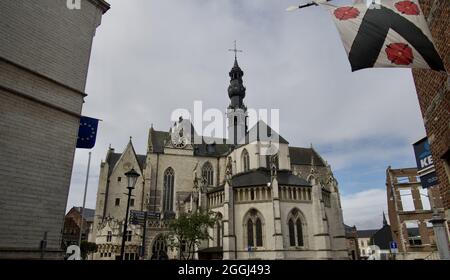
(385, 223)
(236, 89)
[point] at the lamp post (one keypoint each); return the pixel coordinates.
(132, 177)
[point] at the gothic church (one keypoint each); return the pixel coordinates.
(280, 205)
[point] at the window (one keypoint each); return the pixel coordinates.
(208, 173)
(159, 248)
(117, 201)
(250, 237)
(169, 177)
(128, 235)
(446, 161)
(407, 199)
(270, 159)
(326, 198)
(254, 229)
(425, 198)
(245, 160)
(119, 179)
(295, 226)
(414, 237)
(132, 202)
(109, 236)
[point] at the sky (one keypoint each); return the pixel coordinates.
(150, 57)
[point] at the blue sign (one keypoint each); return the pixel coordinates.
(429, 180)
(425, 165)
(393, 245)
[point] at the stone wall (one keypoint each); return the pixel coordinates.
(44, 57)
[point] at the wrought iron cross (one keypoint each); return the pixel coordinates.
(235, 50)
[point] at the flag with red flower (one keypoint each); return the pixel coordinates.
(392, 34)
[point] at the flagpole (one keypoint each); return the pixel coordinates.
(84, 200)
(309, 4)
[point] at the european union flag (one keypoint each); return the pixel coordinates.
(87, 133)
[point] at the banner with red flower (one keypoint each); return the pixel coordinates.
(393, 34)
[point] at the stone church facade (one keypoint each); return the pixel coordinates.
(282, 204)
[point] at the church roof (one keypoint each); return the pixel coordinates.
(366, 233)
(261, 176)
(114, 157)
(159, 138)
(383, 237)
(256, 133)
(87, 213)
(302, 156)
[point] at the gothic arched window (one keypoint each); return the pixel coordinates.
(250, 236)
(296, 228)
(208, 173)
(254, 229)
(245, 160)
(169, 178)
(159, 248)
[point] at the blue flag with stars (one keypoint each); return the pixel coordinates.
(87, 133)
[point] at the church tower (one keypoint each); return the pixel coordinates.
(236, 111)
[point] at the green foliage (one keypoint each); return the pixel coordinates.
(87, 248)
(188, 230)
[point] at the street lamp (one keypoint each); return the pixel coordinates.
(132, 177)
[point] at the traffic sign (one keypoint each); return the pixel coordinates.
(153, 215)
(137, 217)
(394, 247)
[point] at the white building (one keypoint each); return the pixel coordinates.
(280, 206)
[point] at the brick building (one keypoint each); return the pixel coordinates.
(410, 209)
(72, 225)
(351, 237)
(433, 91)
(44, 56)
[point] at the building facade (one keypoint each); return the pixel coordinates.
(44, 56)
(74, 222)
(410, 210)
(433, 91)
(282, 204)
(374, 244)
(351, 235)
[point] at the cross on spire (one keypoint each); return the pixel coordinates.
(235, 50)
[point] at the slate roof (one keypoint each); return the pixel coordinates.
(298, 155)
(261, 176)
(256, 133)
(114, 157)
(349, 230)
(88, 213)
(302, 156)
(366, 233)
(383, 237)
(158, 138)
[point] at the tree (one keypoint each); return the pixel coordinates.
(188, 230)
(87, 248)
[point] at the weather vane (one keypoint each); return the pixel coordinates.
(235, 50)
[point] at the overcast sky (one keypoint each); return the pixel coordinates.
(151, 57)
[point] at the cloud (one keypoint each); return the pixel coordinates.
(365, 209)
(150, 57)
